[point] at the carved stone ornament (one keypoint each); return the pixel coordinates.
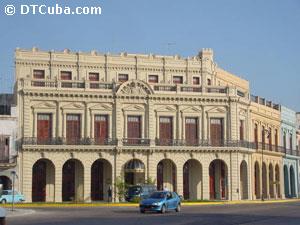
(134, 87)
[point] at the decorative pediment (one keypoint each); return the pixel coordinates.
(76, 105)
(134, 108)
(135, 87)
(103, 107)
(217, 110)
(166, 108)
(191, 109)
(44, 105)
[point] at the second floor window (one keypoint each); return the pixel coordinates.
(123, 77)
(44, 127)
(4, 148)
(73, 128)
(39, 74)
(284, 140)
(177, 80)
(291, 141)
(191, 130)
(165, 130)
(153, 79)
(66, 75)
(101, 128)
(216, 131)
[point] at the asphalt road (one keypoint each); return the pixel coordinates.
(250, 214)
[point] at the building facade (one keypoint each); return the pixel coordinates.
(8, 137)
(288, 140)
(89, 120)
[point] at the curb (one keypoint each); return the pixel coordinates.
(53, 205)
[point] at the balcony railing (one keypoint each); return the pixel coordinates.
(65, 141)
(8, 161)
(161, 142)
(136, 141)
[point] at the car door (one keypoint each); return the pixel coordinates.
(169, 201)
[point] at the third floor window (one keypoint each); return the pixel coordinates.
(123, 77)
(66, 75)
(196, 80)
(153, 79)
(94, 76)
(39, 74)
(177, 80)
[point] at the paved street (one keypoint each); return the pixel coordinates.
(253, 214)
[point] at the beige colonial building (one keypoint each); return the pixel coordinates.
(87, 119)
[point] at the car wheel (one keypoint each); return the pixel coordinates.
(178, 208)
(163, 209)
(3, 201)
(142, 211)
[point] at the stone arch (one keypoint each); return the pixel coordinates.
(257, 173)
(101, 179)
(218, 179)
(244, 180)
(292, 182)
(72, 180)
(43, 181)
(134, 172)
(286, 181)
(166, 175)
(271, 181)
(135, 87)
(6, 183)
(264, 180)
(277, 179)
(192, 179)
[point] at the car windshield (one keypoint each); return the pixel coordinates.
(134, 190)
(158, 195)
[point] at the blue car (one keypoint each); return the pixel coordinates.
(7, 197)
(161, 201)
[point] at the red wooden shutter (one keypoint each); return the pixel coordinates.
(177, 80)
(263, 139)
(165, 130)
(66, 75)
(270, 139)
(256, 135)
(133, 129)
(191, 131)
(153, 79)
(39, 74)
(44, 127)
(216, 131)
(73, 128)
(94, 76)
(101, 128)
(196, 80)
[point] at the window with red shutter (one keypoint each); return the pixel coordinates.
(101, 128)
(134, 129)
(165, 130)
(66, 75)
(177, 80)
(153, 78)
(241, 130)
(123, 77)
(216, 131)
(73, 128)
(94, 76)
(39, 74)
(44, 127)
(191, 130)
(196, 80)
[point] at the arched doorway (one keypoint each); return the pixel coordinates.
(101, 179)
(218, 180)
(192, 180)
(72, 181)
(166, 175)
(264, 181)
(134, 172)
(292, 182)
(6, 183)
(257, 181)
(286, 182)
(277, 179)
(244, 180)
(43, 181)
(271, 181)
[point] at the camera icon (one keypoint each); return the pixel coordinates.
(10, 10)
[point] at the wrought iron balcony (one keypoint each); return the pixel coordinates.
(136, 141)
(8, 161)
(65, 141)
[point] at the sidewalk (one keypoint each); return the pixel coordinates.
(125, 204)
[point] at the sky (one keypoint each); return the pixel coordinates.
(254, 39)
